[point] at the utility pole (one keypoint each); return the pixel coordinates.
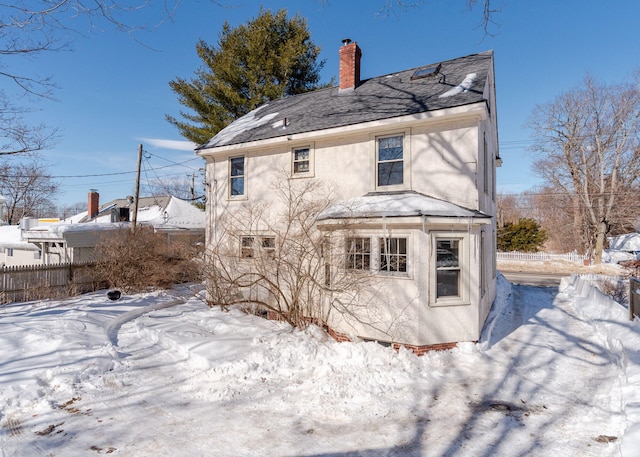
(193, 187)
(137, 194)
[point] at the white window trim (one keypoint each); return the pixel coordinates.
(306, 174)
(406, 160)
(464, 259)
(244, 177)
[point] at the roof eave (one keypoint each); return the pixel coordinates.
(344, 223)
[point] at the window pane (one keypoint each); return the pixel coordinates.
(390, 148)
(237, 186)
(301, 154)
(237, 166)
(301, 167)
(390, 173)
(246, 244)
(448, 283)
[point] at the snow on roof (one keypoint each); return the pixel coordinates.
(627, 242)
(246, 122)
(11, 237)
(464, 86)
(177, 214)
(161, 212)
(394, 205)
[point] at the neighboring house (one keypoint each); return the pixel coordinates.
(411, 157)
(73, 240)
(14, 251)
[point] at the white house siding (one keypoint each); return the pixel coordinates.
(445, 162)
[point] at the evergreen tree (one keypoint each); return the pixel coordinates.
(269, 57)
(524, 235)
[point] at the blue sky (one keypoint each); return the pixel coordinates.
(114, 93)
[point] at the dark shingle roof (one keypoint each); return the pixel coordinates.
(373, 99)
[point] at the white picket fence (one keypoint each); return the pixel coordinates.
(543, 256)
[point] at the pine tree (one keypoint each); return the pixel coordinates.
(525, 235)
(269, 57)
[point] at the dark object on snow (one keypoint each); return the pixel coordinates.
(114, 294)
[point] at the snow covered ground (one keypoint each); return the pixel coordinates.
(557, 373)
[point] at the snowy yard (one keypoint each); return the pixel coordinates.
(556, 374)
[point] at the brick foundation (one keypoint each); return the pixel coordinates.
(344, 338)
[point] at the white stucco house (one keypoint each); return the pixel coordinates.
(411, 158)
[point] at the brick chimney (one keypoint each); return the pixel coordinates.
(350, 55)
(94, 203)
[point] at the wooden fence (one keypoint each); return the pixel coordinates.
(24, 283)
(543, 256)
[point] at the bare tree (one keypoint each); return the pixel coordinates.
(28, 27)
(29, 190)
(508, 210)
(16, 136)
(31, 27)
(588, 141)
(277, 260)
(489, 11)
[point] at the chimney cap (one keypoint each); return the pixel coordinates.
(346, 41)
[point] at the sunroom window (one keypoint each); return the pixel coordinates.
(448, 272)
(358, 253)
(393, 254)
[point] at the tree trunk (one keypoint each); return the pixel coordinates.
(601, 232)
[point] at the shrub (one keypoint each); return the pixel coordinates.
(144, 260)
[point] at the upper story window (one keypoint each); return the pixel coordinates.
(9, 252)
(301, 160)
(390, 161)
(236, 176)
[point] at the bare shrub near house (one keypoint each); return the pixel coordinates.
(145, 260)
(278, 262)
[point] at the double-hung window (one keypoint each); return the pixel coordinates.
(449, 270)
(358, 253)
(301, 160)
(390, 161)
(448, 267)
(393, 255)
(237, 176)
